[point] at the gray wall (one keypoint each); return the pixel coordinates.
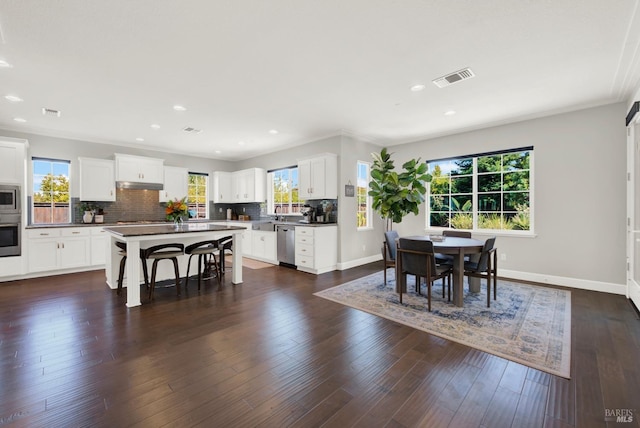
(579, 191)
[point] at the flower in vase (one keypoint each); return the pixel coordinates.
(177, 209)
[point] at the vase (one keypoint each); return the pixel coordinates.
(87, 217)
(177, 222)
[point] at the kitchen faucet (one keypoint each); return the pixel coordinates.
(275, 210)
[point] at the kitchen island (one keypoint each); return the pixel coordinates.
(155, 234)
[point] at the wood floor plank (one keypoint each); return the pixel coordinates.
(269, 353)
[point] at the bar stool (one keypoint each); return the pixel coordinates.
(202, 250)
(123, 252)
(226, 244)
(163, 252)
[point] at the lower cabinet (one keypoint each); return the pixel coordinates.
(317, 249)
(99, 240)
(264, 246)
(64, 248)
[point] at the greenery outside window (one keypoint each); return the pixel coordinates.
(197, 195)
(490, 191)
(362, 194)
(282, 192)
(50, 204)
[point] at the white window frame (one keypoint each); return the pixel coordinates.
(475, 213)
(206, 191)
(367, 212)
(33, 182)
(270, 194)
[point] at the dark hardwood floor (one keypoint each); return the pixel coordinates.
(268, 353)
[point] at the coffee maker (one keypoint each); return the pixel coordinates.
(308, 214)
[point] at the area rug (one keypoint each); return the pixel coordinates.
(248, 263)
(528, 324)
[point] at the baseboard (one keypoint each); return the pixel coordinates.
(584, 284)
(359, 262)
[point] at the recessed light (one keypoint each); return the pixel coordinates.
(241, 143)
(217, 152)
(179, 108)
(449, 112)
(273, 131)
(416, 88)
(5, 64)
(13, 98)
(19, 119)
(155, 126)
(139, 139)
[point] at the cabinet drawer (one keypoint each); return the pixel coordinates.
(305, 261)
(304, 231)
(304, 249)
(98, 231)
(304, 240)
(75, 231)
(43, 233)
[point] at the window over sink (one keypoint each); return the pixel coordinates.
(282, 192)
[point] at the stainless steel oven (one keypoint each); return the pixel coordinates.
(10, 231)
(9, 199)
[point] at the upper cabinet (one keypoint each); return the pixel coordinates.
(97, 180)
(318, 177)
(176, 184)
(139, 169)
(12, 162)
(222, 187)
(249, 185)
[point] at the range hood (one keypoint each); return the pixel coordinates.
(135, 185)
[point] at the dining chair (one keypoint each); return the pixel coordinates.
(415, 257)
(448, 258)
(389, 251)
(485, 267)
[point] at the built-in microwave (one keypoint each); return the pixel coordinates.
(9, 199)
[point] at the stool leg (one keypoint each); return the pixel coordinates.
(199, 270)
(186, 278)
(145, 271)
(175, 267)
(121, 274)
(154, 268)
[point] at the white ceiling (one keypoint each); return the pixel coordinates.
(308, 68)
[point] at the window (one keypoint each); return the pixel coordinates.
(50, 191)
(362, 190)
(197, 195)
(283, 192)
(490, 191)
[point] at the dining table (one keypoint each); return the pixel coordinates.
(458, 248)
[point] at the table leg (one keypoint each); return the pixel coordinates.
(458, 279)
(474, 283)
(236, 277)
(133, 274)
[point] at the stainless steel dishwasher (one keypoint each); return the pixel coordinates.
(286, 236)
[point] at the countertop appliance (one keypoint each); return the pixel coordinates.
(10, 231)
(286, 239)
(308, 214)
(9, 199)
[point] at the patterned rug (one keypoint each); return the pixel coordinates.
(528, 324)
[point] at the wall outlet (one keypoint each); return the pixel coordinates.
(503, 257)
(243, 209)
(219, 210)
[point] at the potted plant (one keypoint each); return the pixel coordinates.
(89, 210)
(397, 194)
(177, 210)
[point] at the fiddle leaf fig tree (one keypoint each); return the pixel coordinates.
(397, 194)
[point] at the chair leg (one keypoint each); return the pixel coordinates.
(429, 294)
(121, 274)
(175, 268)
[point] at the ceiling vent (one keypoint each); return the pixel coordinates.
(50, 112)
(191, 130)
(454, 77)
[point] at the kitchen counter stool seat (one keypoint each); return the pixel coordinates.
(163, 252)
(204, 250)
(123, 252)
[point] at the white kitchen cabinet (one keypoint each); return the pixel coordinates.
(222, 187)
(58, 248)
(97, 179)
(264, 246)
(99, 241)
(318, 177)
(249, 185)
(139, 169)
(12, 162)
(316, 249)
(176, 184)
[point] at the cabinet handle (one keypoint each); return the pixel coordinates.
(62, 245)
(75, 233)
(44, 234)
